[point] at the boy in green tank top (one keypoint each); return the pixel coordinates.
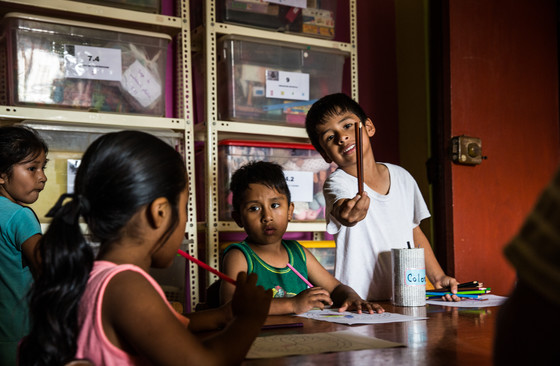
(262, 207)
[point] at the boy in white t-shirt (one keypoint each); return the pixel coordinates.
(387, 215)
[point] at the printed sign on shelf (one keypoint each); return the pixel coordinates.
(287, 85)
(300, 184)
(95, 63)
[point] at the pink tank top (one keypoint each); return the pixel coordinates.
(92, 342)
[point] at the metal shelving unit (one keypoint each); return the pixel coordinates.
(213, 130)
(176, 26)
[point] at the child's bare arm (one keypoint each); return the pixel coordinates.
(234, 262)
(210, 319)
(351, 211)
(343, 297)
(315, 297)
(136, 318)
(435, 273)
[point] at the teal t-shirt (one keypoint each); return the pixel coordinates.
(283, 281)
(17, 224)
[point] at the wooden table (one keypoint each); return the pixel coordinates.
(450, 336)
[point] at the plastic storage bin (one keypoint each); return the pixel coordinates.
(272, 81)
(305, 171)
(66, 147)
(65, 64)
(315, 19)
(149, 6)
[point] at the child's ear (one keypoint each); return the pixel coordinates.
(3, 178)
(158, 212)
(370, 128)
(237, 218)
(291, 211)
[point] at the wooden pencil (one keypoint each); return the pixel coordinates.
(359, 156)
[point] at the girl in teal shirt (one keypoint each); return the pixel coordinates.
(23, 156)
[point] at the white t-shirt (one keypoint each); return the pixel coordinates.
(363, 252)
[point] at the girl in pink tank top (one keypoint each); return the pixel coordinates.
(131, 190)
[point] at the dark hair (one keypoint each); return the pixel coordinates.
(329, 106)
(120, 172)
(262, 172)
(19, 144)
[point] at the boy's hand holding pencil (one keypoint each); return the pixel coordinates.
(351, 211)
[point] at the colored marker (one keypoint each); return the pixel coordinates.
(299, 275)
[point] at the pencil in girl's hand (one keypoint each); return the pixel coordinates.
(299, 275)
(359, 156)
(207, 267)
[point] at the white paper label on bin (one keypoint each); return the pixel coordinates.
(139, 82)
(415, 277)
(287, 85)
(95, 63)
(71, 170)
(296, 3)
(300, 184)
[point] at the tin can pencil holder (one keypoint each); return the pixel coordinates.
(409, 277)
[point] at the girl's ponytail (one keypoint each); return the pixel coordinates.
(67, 259)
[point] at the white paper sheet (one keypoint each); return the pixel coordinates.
(488, 301)
(351, 318)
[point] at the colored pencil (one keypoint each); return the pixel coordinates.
(474, 285)
(299, 275)
(474, 292)
(465, 289)
(207, 267)
(470, 284)
(284, 325)
(359, 156)
(439, 294)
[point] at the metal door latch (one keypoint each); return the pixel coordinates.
(466, 150)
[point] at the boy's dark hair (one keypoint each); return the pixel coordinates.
(120, 173)
(328, 106)
(18, 143)
(262, 172)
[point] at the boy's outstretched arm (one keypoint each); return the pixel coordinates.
(433, 270)
(351, 211)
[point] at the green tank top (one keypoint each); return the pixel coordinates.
(283, 281)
